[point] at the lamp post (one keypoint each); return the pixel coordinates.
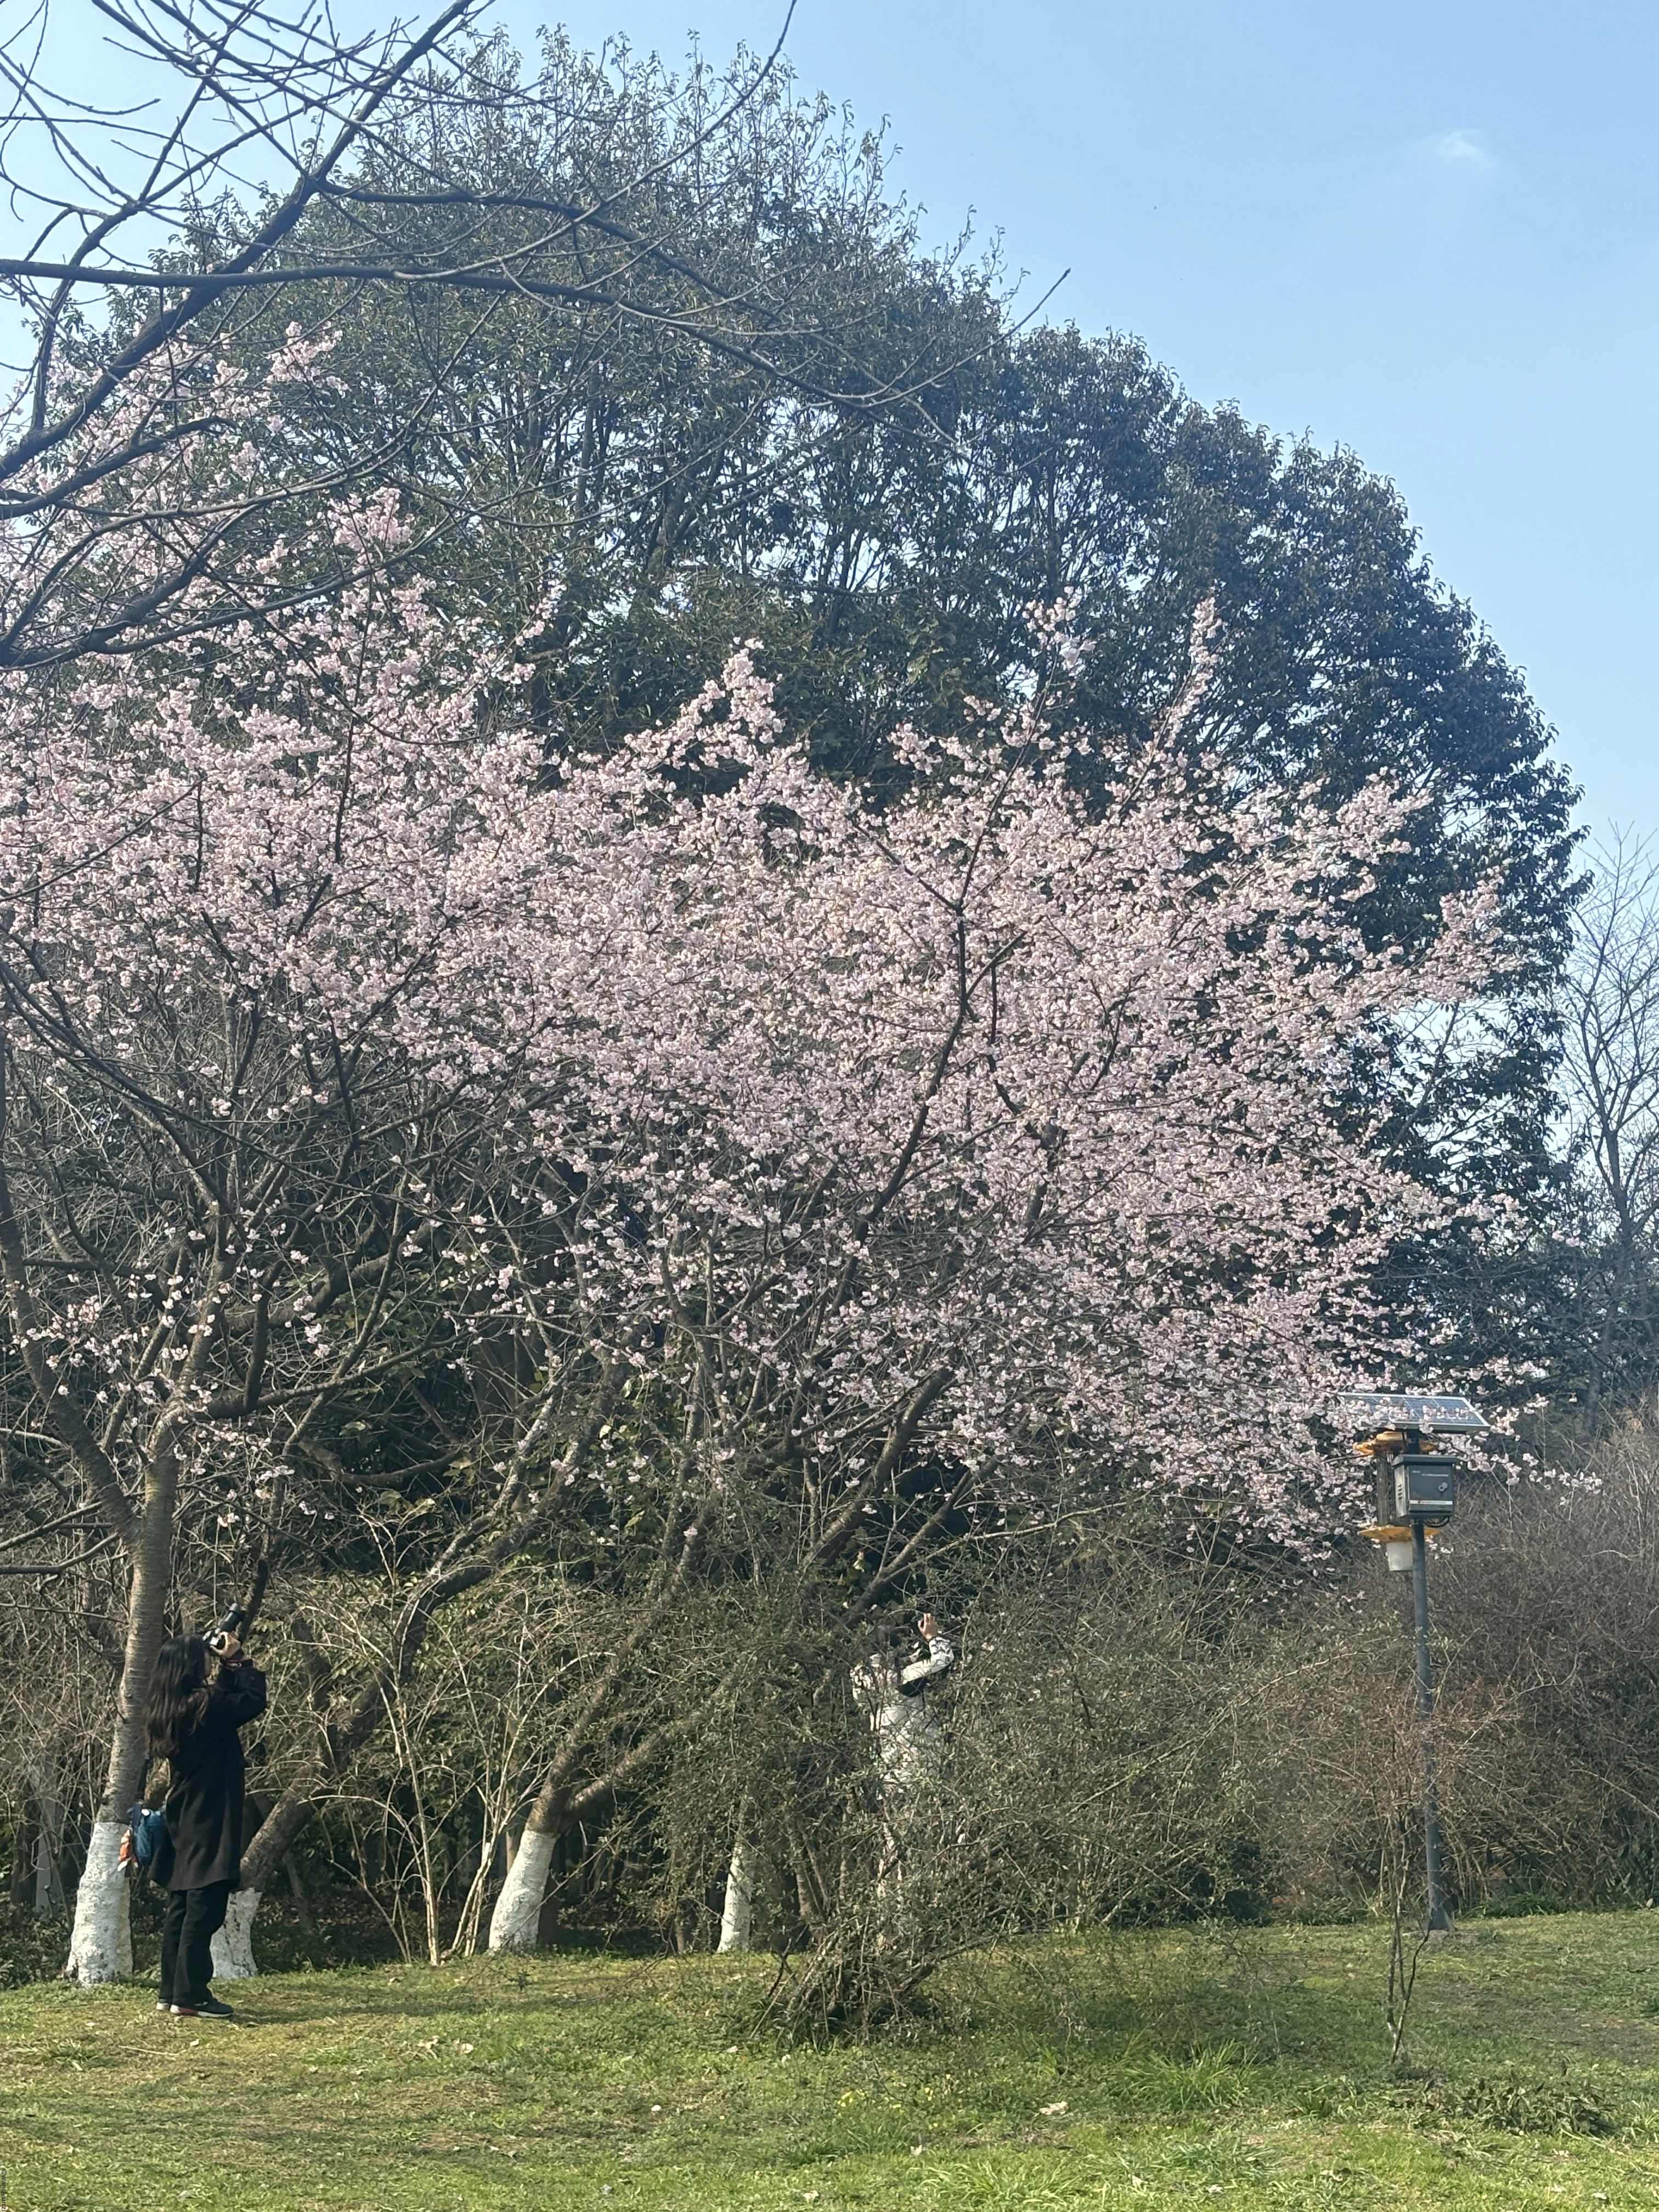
(1416, 1493)
(1439, 1918)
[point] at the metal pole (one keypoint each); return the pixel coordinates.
(1439, 1918)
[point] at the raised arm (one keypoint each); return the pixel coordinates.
(941, 1655)
(241, 1691)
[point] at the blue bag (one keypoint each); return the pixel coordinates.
(145, 1828)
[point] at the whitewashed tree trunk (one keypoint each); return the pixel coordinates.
(738, 1918)
(95, 1949)
(95, 1941)
(514, 1924)
(233, 1947)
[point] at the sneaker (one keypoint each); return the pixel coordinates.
(212, 2009)
(182, 2012)
(161, 2005)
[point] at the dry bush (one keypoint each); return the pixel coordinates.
(57, 1691)
(1128, 1736)
(1545, 1603)
(1551, 1602)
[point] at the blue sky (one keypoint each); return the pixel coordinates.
(1428, 232)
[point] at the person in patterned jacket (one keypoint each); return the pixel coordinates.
(892, 1691)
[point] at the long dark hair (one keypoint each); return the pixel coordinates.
(179, 1695)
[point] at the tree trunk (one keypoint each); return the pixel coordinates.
(233, 1947)
(302, 1912)
(49, 1899)
(738, 1917)
(270, 1850)
(95, 1946)
(95, 1940)
(515, 1922)
(25, 1860)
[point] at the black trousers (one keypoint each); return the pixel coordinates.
(194, 1918)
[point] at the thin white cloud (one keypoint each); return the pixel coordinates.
(1463, 150)
(1438, 183)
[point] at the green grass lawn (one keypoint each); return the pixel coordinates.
(1136, 2071)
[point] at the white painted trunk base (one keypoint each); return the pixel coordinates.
(101, 1911)
(738, 1917)
(518, 1908)
(233, 1947)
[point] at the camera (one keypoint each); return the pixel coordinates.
(223, 1628)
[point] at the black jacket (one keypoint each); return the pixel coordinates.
(202, 1841)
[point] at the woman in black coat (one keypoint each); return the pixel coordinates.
(193, 1724)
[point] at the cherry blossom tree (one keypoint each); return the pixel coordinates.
(984, 1144)
(792, 1179)
(244, 1137)
(848, 1180)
